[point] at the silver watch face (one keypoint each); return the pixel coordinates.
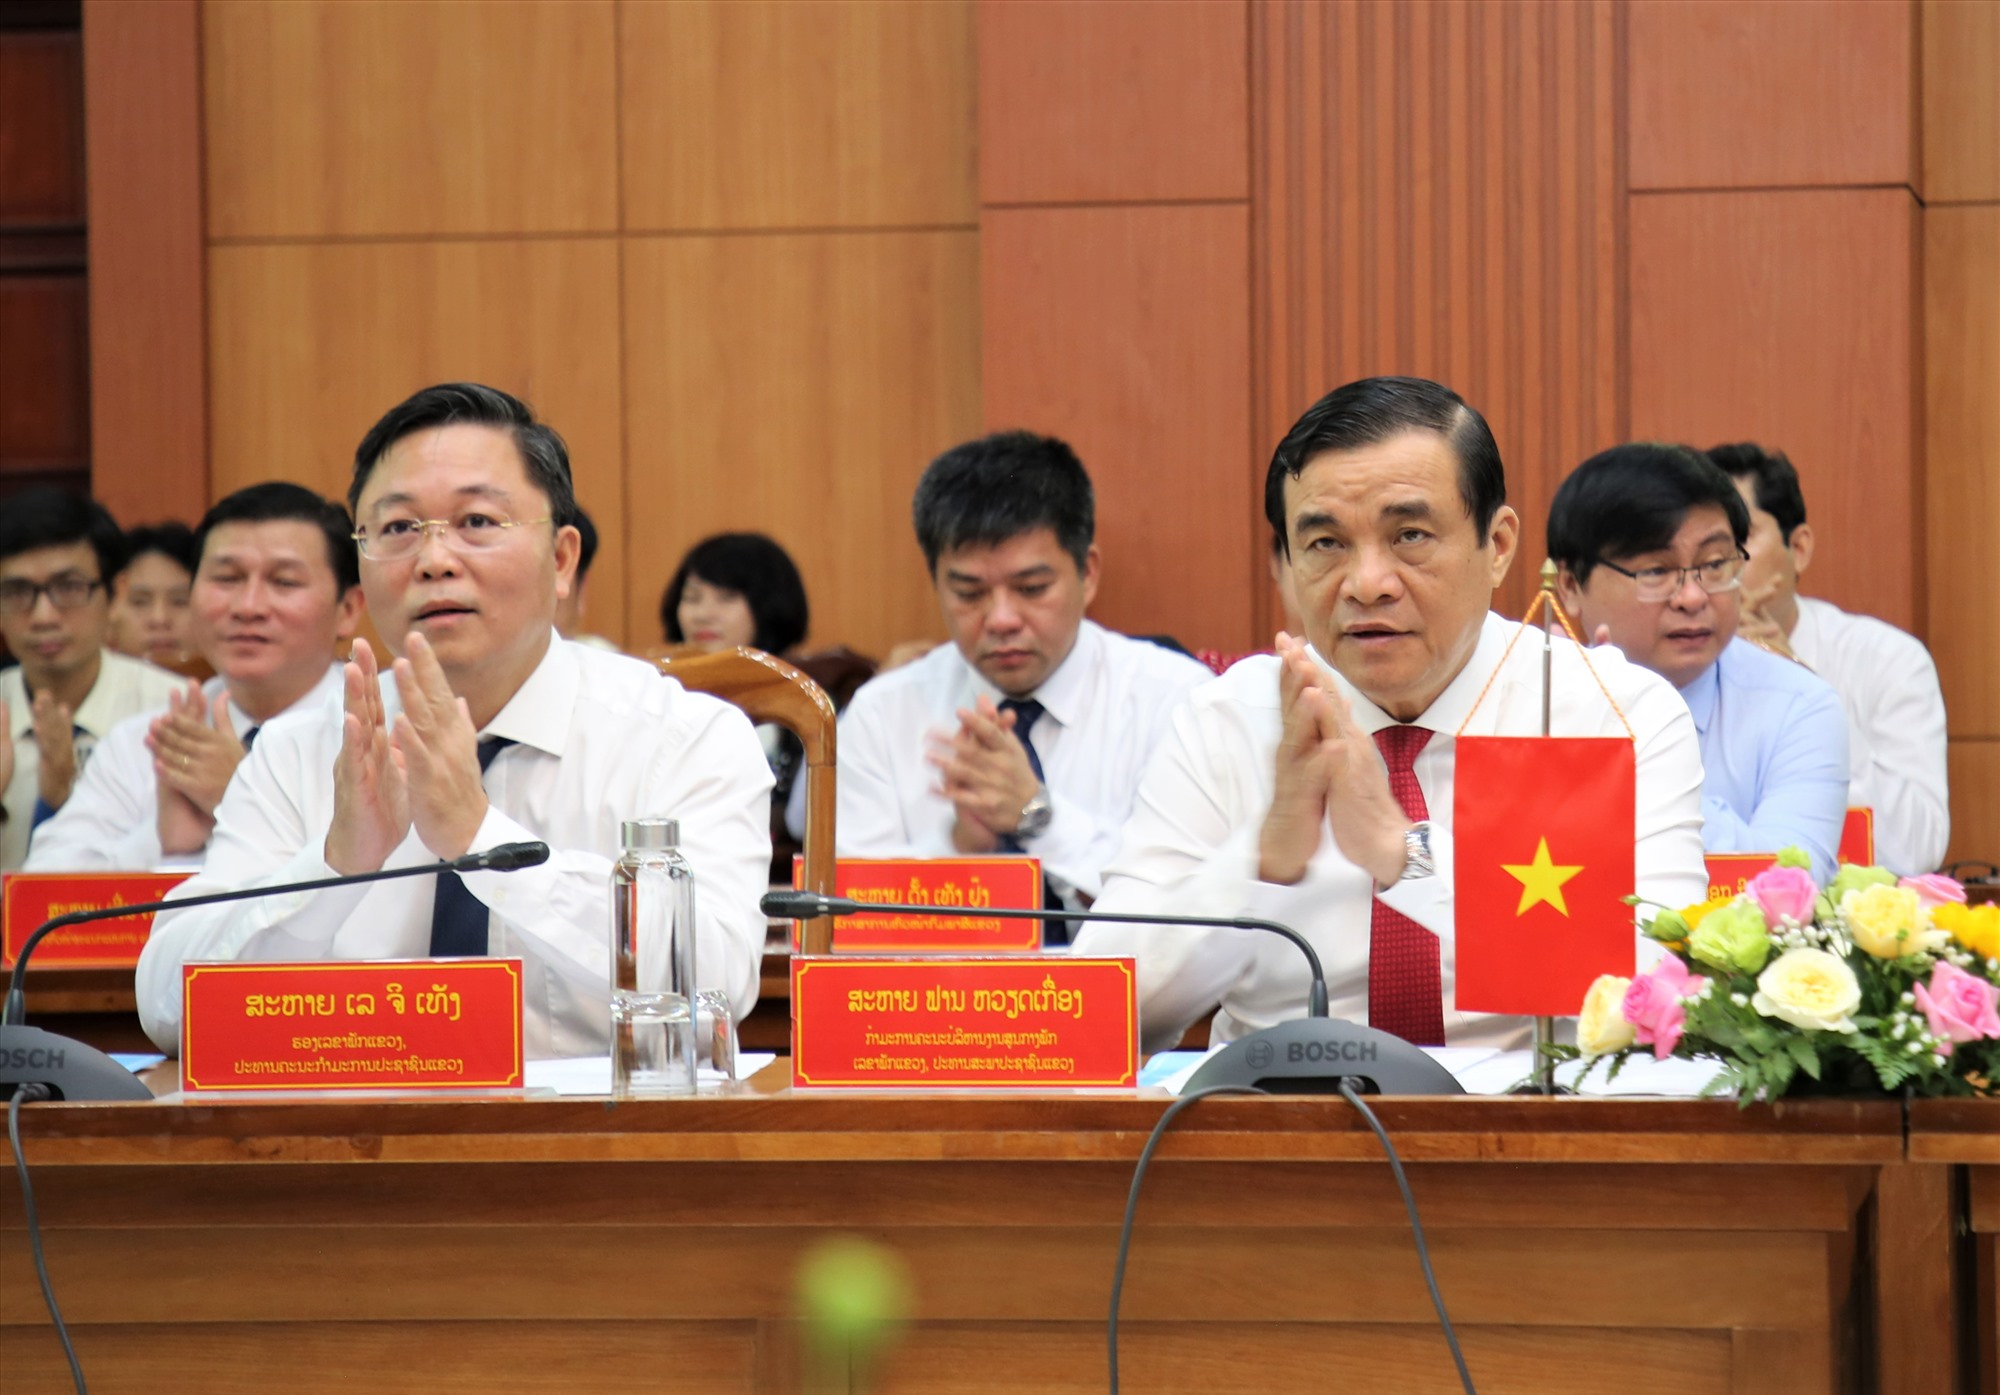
(1418, 861)
(1036, 816)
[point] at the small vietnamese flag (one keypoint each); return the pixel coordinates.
(1542, 833)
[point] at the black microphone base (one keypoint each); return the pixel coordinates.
(71, 1070)
(1312, 1055)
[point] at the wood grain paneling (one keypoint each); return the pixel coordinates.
(398, 1358)
(1962, 459)
(1068, 1359)
(1438, 193)
(41, 129)
(148, 370)
(355, 117)
(1765, 93)
(1961, 101)
(539, 319)
(1125, 331)
(1790, 318)
(1084, 102)
(798, 386)
(1975, 799)
(44, 373)
(797, 114)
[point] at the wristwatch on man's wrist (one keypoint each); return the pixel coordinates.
(1036, 815)
(1418, 861)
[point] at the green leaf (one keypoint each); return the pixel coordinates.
(1807, 1056)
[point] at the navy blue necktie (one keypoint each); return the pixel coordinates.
(458, 918)
(250, 738)
(1026, 713)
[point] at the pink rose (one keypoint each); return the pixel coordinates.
(1959, 1006)
(1653, 1005)
(1785, 895)
(1935, 889)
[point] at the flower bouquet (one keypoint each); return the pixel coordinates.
(1876, 984)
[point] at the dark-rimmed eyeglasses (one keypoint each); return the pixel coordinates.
(18, 596)
(1714, 576)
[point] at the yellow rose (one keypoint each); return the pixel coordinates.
(1975, 927)
(1693, 914)
(1889, 922)
(1602, 1028)
(1809, 988)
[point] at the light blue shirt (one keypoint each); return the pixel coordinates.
(1773, 755)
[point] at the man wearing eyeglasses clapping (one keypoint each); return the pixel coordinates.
(1650, 542)
(57, 553)
(487, 728)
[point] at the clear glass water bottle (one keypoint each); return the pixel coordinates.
(653, 1050)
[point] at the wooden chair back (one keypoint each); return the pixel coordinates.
(770, 690)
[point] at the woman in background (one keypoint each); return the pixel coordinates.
(149, 599)
(743, 589)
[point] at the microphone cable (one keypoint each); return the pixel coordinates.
(1132, 1205)
(21, 1094)
(1353, 1097)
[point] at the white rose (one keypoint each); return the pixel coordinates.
(1601, 1028)
(1809, 988)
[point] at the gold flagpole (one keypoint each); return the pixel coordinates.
(1544, 1074)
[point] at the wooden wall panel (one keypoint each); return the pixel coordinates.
(44, 373)
(1086, 102)
(1764, 93)
(41, 129)
(798, 386)
(1790, 318)
(1975, 800)
(1961, 102)
(148, 371)
(797, 114)
(1125, 331)
(1439, 194)
(368, 117)
(1962, 425)
(539, 319)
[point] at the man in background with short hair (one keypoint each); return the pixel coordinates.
(276, 591)
(1028, 732)
(58, 555)
(1888, 685)
(1649, 541)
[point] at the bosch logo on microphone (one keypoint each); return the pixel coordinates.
(1259, 1055)
(1300, 1051)
(33, 1058)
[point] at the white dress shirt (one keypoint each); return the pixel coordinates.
(124, 688)
(1192, 844)
(111, 822)
(1888, 687)
(1105, 708)
(600, 738)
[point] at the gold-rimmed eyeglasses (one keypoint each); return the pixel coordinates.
(402, 538)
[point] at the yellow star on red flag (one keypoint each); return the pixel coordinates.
(1541, 880)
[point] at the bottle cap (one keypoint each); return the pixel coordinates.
(650, 835)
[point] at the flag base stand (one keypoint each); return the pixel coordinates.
(1544, 1073)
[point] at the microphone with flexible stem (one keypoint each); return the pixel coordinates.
(72, 1070)
(1312, 1055)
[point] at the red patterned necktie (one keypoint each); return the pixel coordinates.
(1405, 985)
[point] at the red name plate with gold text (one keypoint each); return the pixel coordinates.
(33, 897)
(1047, 1021)
(979, 886)
(1729, 873)
(404, 1024)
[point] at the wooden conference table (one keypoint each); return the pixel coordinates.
(531, 1245)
